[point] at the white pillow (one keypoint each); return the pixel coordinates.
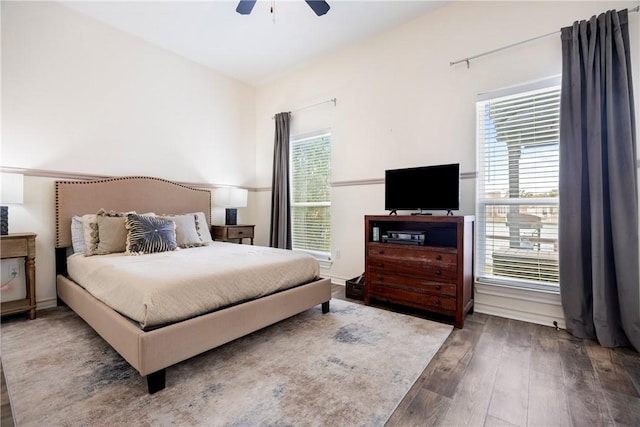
(203, 228)
(77, 235)
(187, 235)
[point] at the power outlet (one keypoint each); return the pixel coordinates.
(14, 270)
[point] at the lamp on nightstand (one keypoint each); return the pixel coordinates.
(230, 198)
(12, 193)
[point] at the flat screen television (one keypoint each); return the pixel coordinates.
(426, 188)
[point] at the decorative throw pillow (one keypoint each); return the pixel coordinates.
(148, 234)
(186, 234)
(204, 231)
(112, 234)
(90, 231)
(77, 235)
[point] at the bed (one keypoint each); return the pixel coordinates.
(154, 347)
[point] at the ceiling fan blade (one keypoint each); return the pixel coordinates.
(320, 7)
(245, 6)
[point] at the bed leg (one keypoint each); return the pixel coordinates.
(325, 307)
(156, 381)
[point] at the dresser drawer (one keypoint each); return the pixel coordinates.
(239, 232)
(419, 268)
(411, 283)
(415, 299)
(393, 252)
(12, 248)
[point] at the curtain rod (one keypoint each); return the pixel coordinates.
(451, 64)
(334, 100)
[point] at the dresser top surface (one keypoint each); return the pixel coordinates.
(17, 235)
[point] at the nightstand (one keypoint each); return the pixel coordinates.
(228, 233)
(21, 245)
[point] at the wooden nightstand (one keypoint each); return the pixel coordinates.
(18, 245)
(229, 233)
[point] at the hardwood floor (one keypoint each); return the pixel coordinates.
(502, 372)
(6, 417)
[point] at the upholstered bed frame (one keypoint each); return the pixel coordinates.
(151, 352)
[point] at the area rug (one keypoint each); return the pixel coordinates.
(350, 367)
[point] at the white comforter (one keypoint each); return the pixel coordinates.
(160, 288)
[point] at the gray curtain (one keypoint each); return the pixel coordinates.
(599, 282)
(280, 233)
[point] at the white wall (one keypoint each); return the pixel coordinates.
(400, 104)
(80, 96)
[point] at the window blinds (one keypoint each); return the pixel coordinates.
(517, 194)
(310, 193)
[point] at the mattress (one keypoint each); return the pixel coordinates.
(161, 288)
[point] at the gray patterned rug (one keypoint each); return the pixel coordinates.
(349, 367)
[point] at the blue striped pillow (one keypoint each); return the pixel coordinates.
(147, 234)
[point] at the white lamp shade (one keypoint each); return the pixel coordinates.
(12, 188)
(230, 197)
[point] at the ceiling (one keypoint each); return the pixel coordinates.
(257, 47)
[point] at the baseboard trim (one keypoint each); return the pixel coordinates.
(531, 317)
(43, 304)
(335, 280)
(540, 307)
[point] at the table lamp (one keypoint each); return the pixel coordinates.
(12, 185)
(230, 198)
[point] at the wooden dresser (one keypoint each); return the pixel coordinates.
(421, 261)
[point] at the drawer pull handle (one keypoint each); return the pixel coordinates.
(240, 232)
(437, 302)
(380, 290)
(381, 252)
(438, 287)
(438, 272)
(380, 277)
(381, 264)
(438, 257)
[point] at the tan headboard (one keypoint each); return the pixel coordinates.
(134, 193)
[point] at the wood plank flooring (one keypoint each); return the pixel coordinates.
(6, 416)
(502, 372)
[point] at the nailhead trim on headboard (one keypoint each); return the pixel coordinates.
(58, 184)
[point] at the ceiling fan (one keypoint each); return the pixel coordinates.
(320, 7)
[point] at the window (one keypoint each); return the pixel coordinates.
(311, 194)
(517, 194)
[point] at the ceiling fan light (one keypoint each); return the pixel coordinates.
(320, 7)
(245, 6)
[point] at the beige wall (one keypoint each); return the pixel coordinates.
(81, 96)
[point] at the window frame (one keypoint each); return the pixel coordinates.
(293, 139)
(483, 201)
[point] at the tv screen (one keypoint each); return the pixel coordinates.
(423, 188)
